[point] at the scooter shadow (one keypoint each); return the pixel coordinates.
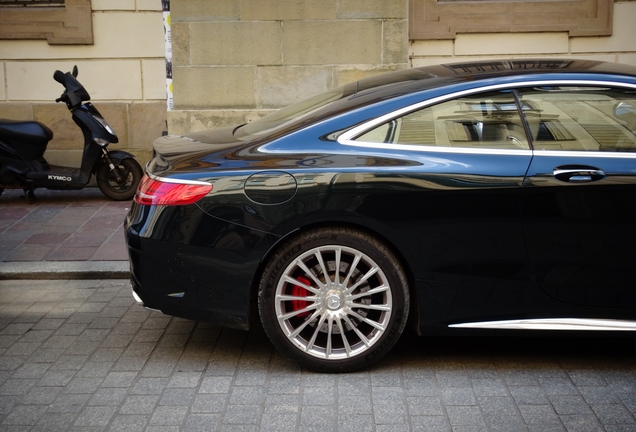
(46, 196)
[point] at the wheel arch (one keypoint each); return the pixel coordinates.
(414, 316)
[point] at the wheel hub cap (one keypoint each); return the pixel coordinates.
(334, 301)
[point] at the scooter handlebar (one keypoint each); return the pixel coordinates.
(59, 76)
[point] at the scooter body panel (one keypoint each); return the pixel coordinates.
(58, 178)
(88, 118)
(23, 140)
(43, 175)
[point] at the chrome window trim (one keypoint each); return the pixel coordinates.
(553, 324)
(347, 138)
(584, 153)
(177, 181)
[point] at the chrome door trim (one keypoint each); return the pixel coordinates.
(553, 324)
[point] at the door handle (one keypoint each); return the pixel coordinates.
(578, 174)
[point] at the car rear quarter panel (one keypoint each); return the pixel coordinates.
(187, 263)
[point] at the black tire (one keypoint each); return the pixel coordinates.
(130, 172)
(335, 326)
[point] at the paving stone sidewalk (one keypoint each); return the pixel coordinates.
(61, 226)
(82, 356)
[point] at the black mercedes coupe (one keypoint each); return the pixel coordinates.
(482, 195)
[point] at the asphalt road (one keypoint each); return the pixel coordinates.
(82, 356)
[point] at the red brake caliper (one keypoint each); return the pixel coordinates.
(299, 291)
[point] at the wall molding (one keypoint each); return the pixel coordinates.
(440, 19)
(68, 25)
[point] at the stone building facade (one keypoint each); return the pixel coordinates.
(236, 60)
(575, 40)
(121, 64)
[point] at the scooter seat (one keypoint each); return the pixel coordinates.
(31, 132)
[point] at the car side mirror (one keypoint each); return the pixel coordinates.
(626, 113)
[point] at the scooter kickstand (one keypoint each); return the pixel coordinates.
(29, 195)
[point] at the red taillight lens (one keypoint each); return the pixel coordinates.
(156, 192)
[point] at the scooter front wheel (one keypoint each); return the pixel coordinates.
(130, 173)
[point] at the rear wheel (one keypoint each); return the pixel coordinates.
(334, 299)
(130, 173)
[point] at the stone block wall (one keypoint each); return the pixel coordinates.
(123, 71)
(619, 47)
(236, 60)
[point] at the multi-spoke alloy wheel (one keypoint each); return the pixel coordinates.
(334, 299)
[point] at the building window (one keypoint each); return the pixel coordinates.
(60, 22)
(443, 19)
(30, 2)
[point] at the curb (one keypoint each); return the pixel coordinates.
(56, 270)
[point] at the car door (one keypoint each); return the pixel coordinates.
(453, 209)
(578, 199)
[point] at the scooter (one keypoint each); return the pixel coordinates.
(22, 146)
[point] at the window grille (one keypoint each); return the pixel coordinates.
(31, 2)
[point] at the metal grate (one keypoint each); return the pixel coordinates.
(31, 2)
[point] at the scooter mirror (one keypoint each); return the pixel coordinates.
(75, 71)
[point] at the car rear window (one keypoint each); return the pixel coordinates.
(302, 111)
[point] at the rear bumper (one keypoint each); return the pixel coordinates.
(188, 264)
(183, 307)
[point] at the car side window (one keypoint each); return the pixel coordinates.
(486, 120)
(568, 118)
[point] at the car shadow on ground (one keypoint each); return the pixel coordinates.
(598, 350)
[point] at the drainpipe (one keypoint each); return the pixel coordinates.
(165, 5)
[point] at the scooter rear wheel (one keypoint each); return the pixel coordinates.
(130, 172)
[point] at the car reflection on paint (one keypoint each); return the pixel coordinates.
(487, 195)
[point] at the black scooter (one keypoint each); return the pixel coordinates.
(22, 146)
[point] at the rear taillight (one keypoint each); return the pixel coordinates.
(153, 191)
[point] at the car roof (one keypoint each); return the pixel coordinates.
(444, 73)
(423, 78)
(410, 83)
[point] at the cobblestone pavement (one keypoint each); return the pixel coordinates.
(79, 225)
(81, 356)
